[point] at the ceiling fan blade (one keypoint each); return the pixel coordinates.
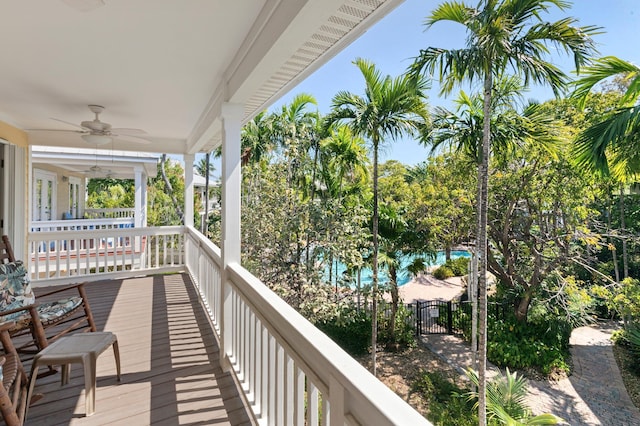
(57, 130)
(131, 138)
(129, 132)
(66, 122)
(84, 5)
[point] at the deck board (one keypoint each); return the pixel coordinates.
(170, 362)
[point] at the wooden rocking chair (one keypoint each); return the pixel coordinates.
(14, 385)
(44, 322)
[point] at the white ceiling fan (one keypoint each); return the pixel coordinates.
(98, 132)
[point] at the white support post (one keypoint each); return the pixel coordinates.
(140, 207)
(231, 187)
(188, 189)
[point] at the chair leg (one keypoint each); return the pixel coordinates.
(37, 329)
(87, 308)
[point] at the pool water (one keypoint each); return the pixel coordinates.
(366, 276)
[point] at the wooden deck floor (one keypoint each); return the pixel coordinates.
(170, 369)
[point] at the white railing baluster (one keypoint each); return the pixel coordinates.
(312, 404)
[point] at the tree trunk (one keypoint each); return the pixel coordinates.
(447, 253)
(359, 291)
(623, 229)
(374, 266)
(522, 309)
(614, 252)
(483, 185)
(395, 298)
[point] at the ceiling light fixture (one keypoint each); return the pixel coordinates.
(96, 139)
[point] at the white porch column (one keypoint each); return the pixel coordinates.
(140, 216)
(231, 186)
(145, 201)
(188, 188)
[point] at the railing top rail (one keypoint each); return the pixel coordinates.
(71, 222)
(105, 233)
(116, 209)
(205, 246)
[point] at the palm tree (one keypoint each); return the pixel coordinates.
(611, 147)
(391, 107)
(503, 35)
(256, 138)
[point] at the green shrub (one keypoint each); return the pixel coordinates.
(443, 272)
(543, 345)
(405, 333)
(459, 266)
(447, 403)
(351, 330)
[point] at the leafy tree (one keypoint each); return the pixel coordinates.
(110, 193)
(166, 195)
(443, 209)
(538, 222)
(390, 108)
(503, 35)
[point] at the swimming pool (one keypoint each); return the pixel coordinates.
(366, 277)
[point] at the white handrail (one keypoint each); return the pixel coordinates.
(110, 213)
(81, 224)
(84, 255)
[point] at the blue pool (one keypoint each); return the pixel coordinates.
(403, 275)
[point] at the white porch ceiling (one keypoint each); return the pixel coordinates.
(164, 66)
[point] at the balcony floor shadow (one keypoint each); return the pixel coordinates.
(170, 362)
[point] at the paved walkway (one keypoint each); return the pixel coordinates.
(593, 395)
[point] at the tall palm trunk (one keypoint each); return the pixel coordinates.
(395, 300)
(614, 253)
(483, 182)
(374, 266)
(623, 228)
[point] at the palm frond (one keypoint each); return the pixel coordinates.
(595, 146)
(451, 11)
(602, 69)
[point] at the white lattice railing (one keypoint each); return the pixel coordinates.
(89, 254)
(290, 372)
(110, 213)
(81, 224)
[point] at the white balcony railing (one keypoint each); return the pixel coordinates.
(81, 224)
(109, 213)
(90, 254)
(290, 372)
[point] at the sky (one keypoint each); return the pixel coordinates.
(396, 39)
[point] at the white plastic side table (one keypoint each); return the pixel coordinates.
(83, 348)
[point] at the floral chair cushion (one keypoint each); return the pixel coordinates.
(52, 311)
(15, 289)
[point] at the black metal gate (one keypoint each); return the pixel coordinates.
(449, 317)
(432, 317)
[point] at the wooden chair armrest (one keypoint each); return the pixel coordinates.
(60, 290)
(6, 326)
(22, 308)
